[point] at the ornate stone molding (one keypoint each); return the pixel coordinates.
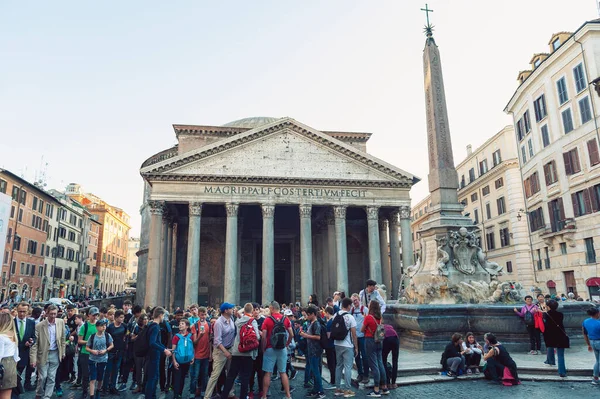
(268, 210)
(394, 218)
(383, 223)
(373, 212)
(232, 208)
(195, 208)
(305, 210)
(339, 212)
(405, 212)
(330, 217)
(156, 207)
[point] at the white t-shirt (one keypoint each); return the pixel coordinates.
(350, 323)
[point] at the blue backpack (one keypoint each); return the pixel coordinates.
(184, 351)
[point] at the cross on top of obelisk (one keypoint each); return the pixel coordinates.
(428, 27)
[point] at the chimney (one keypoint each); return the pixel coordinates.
(469, 150)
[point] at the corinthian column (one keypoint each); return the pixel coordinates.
(386, 272)
(374, 250)
(162, 271)
(341, 249)
(394, 223)
(306, 267)
(154, 249)
(231, 285)
(406, 234)
(268, 253)
(192, 271)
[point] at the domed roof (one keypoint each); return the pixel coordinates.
(252, 122)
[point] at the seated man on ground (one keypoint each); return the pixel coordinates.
(453, 359)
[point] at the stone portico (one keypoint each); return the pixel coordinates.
(265, 209)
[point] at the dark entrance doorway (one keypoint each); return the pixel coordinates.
(283, 266)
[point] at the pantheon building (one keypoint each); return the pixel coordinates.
(265, 209)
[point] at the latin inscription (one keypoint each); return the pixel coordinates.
(286, 192)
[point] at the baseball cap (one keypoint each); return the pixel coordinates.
(93, 311)
(101, 323)
(226, 306)
(288, 313)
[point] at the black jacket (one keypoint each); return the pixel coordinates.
(554, 332)
(450, 352)
(28, 334)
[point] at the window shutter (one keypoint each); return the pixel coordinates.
(552, 218)
(575, 165)
(527, 188)
(561, 209)
(593, 150)
(575, 204)
(593, 198)
(567, 159)
(547, 174)
(587, 200)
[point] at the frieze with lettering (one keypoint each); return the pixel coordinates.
(285, 192)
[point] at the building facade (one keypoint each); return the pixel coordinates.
(113, 237)
(555, 115)
(132, 259)
(265, 208)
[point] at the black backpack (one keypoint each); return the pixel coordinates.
(528, 318)
(323, 339)
(339, 331)
(278, 334)
(141, 345)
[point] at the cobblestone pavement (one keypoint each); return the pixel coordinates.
(453, 389)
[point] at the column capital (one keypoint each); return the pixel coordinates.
(405, 212)
(330, 217)
(372, 212)
(340, 211)
(394, 218)
(156, 207)
(383, 223)
(195, 208)
(232, 208)
(268, 210)
(305, 210)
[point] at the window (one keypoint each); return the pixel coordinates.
(584, 110)
(71, 236)
(561, 87)
(571, 160)
(13, 268)
(499, 183)
(582, 203)
(563, 248)
(35, 203)
(20, 218)
(50, 211)
(504, 237)
(488, 210)
(62, 232)
(567, 119)
(473, 197)
(94, 257)
(550, 174)
(41, 271)
(537, 62)
(556, 211)
(489, 239)
(42, 250)
(15, 193)
(41, 207)
(12, 212)
(471, 175)
(485, 190)
(593, 152)
(17, 243)
(23, 197)
(9, 235)
(6, 254)
(547, 259)
(526, 122)
(32, 247)
(539, 259)
(501, 205)
(462, 181)
(579, 78)
(532, 185)
(3, 186)
(556, 44)
(22, 268)
(520, 129)
(483, 168)
(476, 215)
(545, 136)
(523, 154)
(27, 269)
(464, 202)
(590, 252)
(496, 157)
(536, 219)
(530, 145)
(539, 108)
(509, 268)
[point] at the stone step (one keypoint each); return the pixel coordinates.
(427, 379)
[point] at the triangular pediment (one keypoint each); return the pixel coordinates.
(284, 149)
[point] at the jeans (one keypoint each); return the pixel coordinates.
(391, 344)
(126, 364)
(112, 369)
(141, 372)
(82, 364)
(330, 353)
(456, 363)
(595, 343)
(179, 377)
(344, 358)
(362, 360)
(240, 365)
(152, 367)
(46, 376)
(560, 352)
(535, 338)
(313, 365)
(376, 361)
(199, 369)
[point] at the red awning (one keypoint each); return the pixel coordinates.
(593, 282)
(550, 284)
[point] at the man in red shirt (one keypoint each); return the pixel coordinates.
(200, 337)
(274, 343)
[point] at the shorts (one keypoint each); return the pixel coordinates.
(96, 370)
(273, 357)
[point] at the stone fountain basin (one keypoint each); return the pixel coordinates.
(429, 326)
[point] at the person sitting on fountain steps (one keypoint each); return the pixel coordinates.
(472, 352)
(453, 359)
(527, 313)
(500, 367)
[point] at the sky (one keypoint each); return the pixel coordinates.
(89, 90)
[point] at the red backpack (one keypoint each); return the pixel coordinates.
(248, 338)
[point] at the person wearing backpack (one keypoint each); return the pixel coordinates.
(374, 337)
(155, 349)
(98, 346)
(343, 334)
(88, 329)
(183, 356)
(244, 351)
(527, 314)
(359, 312)
(276, 335)
(223, 337)
(139, 344)
(201, 338)
(314, 351)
